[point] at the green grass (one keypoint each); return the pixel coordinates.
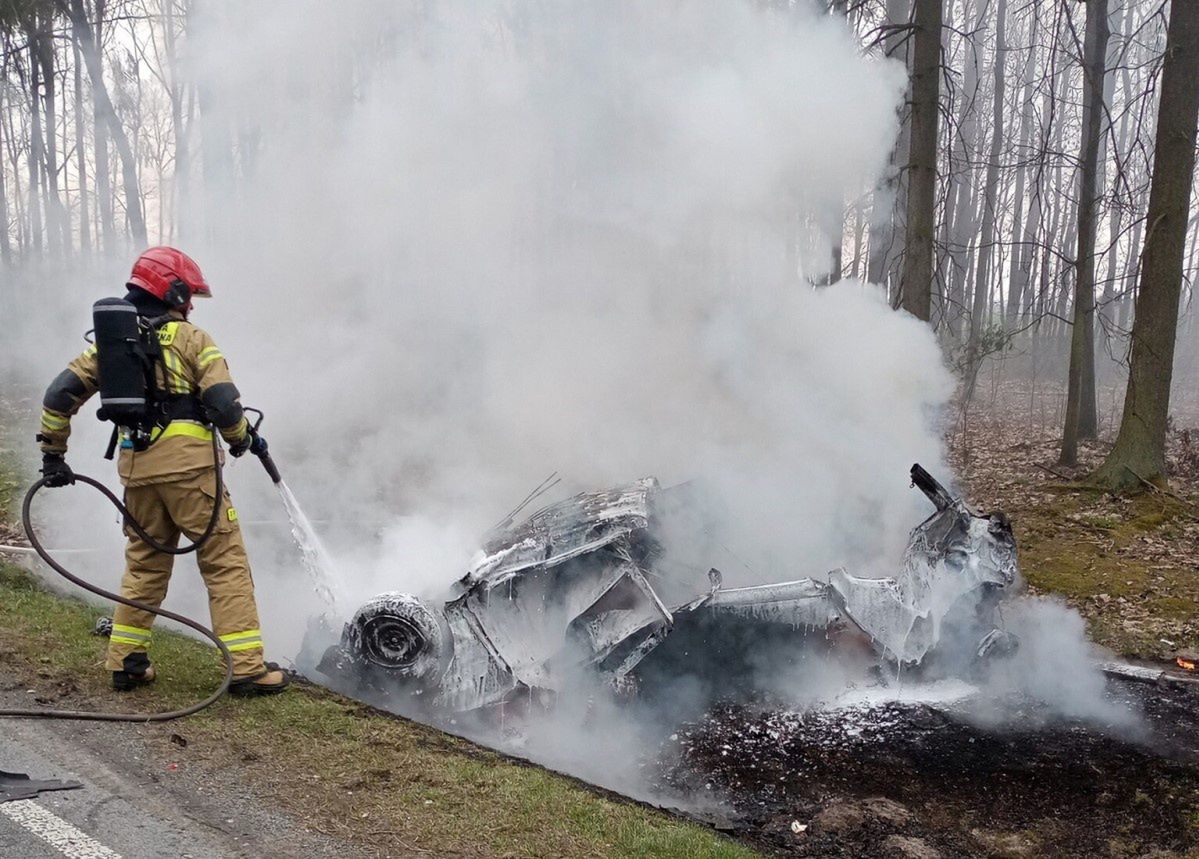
(331, 762)
(9, 484)
(1078, 547)
(389, 784)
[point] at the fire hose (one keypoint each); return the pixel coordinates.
(27, 521)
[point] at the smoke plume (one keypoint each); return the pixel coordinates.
(457, 249)
(576, 240)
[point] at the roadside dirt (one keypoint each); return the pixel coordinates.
(924, 781)
(904, 780)
(1127, 564)
(145, 793)
(917, 780)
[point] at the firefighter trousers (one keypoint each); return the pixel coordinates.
(165, 510)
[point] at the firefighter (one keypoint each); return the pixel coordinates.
(170, 485)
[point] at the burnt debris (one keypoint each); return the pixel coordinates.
(585, 584)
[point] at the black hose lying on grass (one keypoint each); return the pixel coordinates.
(86, 715)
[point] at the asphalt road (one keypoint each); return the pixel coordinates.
(115, 814)
(134, 803)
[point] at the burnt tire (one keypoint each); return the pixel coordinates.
(399, 634)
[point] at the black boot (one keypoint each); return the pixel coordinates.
(137, 672)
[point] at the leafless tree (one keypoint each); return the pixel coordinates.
(1139, 452)
(1081, 419)
(916, 278)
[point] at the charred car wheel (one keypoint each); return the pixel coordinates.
(398, 633)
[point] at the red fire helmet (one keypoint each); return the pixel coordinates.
(159, 269)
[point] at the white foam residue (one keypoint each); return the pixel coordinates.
(948, 691)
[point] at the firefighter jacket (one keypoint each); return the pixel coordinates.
(191, 365)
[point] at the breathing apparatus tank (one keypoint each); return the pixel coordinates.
(126, 347)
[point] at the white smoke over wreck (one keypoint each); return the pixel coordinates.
(575, 240)
(458, 249)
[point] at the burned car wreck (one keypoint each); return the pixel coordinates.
(584, 584)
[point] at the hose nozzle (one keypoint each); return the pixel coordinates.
(271, 469)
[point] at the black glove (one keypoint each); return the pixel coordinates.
(55, 470)
(240, 447)
(252, 442)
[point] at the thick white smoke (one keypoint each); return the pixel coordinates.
(477, 244)
(573, 240)
(486, 242)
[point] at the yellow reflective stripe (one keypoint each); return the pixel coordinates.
(129, 634)
(246, 640)
(135, 635)
(121, 638)
(209, 355)
(191, 429)
(245, 633)
(176, 380)
(187, 428)
(132, 630)
(90, 351)
(168, 370)
(54, 422)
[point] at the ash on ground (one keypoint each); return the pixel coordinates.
(940, 772)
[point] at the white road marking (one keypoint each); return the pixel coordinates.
(68, 840)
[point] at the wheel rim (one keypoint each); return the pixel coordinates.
(394, 642)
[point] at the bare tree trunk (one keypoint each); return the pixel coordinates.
(979, 308)
(216, 151)
(181, 176)
(1063, 272)
(95, 71)
(1188, 274)
(35, 145)
(1132, 274)
(1028, 251)
(1106, 310)
(104, 202)
(1115, 215)
(1081, 418)
(85, 227)
(962, 203)
(1045, 305)
(6, 251)
(1020, 266)
(915, 282)
(1140, 449)
(216, 148)
(963, 247)
(859, 225)
(58, 236)
(1015, 283)
(14, 162)
(886, 233)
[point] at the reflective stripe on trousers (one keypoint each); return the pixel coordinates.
(245, 640)
(135, 635)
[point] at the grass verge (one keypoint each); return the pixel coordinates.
(392, 786)
(1125, 562)
(1117, 561)
(385, 783)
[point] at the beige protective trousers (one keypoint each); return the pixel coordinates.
(165, 510)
